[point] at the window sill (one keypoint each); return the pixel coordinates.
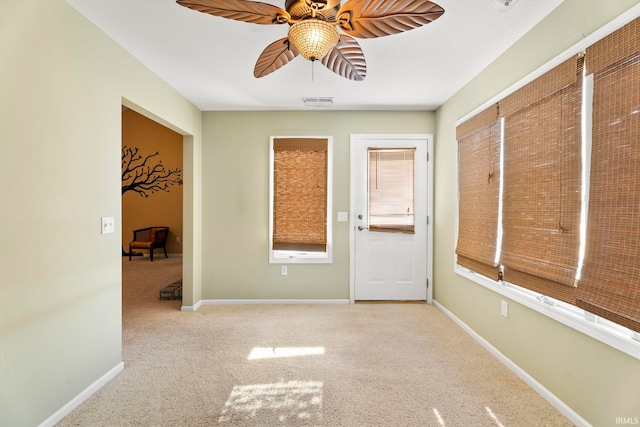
(609, 333)
(299, 259)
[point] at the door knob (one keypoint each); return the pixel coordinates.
(360, 228)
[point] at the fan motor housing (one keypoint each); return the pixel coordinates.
(300, 9)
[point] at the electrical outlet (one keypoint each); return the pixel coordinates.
(283, 270)
(177, 239)
(504, 308)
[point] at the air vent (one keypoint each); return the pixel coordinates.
(318, 102)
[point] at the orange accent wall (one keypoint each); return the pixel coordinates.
(160, 208)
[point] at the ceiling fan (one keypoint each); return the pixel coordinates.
(313, 31)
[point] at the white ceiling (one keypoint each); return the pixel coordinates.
(210, 59)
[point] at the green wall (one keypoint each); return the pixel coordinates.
(595, 380)
(62, 83)
(235, 198)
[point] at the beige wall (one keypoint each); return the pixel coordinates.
(160, 208)
(236, 199)
(63, 82)
(595, 380)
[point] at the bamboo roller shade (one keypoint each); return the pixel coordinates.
(542, 183)
(547, 84)
(617, 46)
(483, 119)
(479, 190)
(300, 194)
(610, 283)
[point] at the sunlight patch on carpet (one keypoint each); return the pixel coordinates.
(493, 416)
(276, 403)
(275, 352)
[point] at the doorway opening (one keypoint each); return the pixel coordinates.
(152, 200)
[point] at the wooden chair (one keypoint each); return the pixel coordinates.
(149, 238)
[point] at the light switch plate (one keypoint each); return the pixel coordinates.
(343, 216)
(108, 225)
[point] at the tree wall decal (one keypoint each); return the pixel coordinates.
(146, 175)
(142, 176)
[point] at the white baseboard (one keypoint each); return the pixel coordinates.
(539, 388)
(191, 307)
(263, 301)
(84, 395)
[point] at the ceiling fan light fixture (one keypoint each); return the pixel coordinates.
(314, 26)
(313, 38)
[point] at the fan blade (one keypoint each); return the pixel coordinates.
(377, 18)
(276, 55)
(346, 59)
(240, 10)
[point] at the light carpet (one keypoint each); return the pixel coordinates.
(300, 365)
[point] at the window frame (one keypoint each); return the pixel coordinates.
(596, 327)
(302, 257)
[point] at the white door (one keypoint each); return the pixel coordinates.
(388, 263)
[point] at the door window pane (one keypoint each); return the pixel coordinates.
(391, 173)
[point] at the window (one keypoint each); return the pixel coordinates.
(300, 200)
(568, 217)
(391, 190)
